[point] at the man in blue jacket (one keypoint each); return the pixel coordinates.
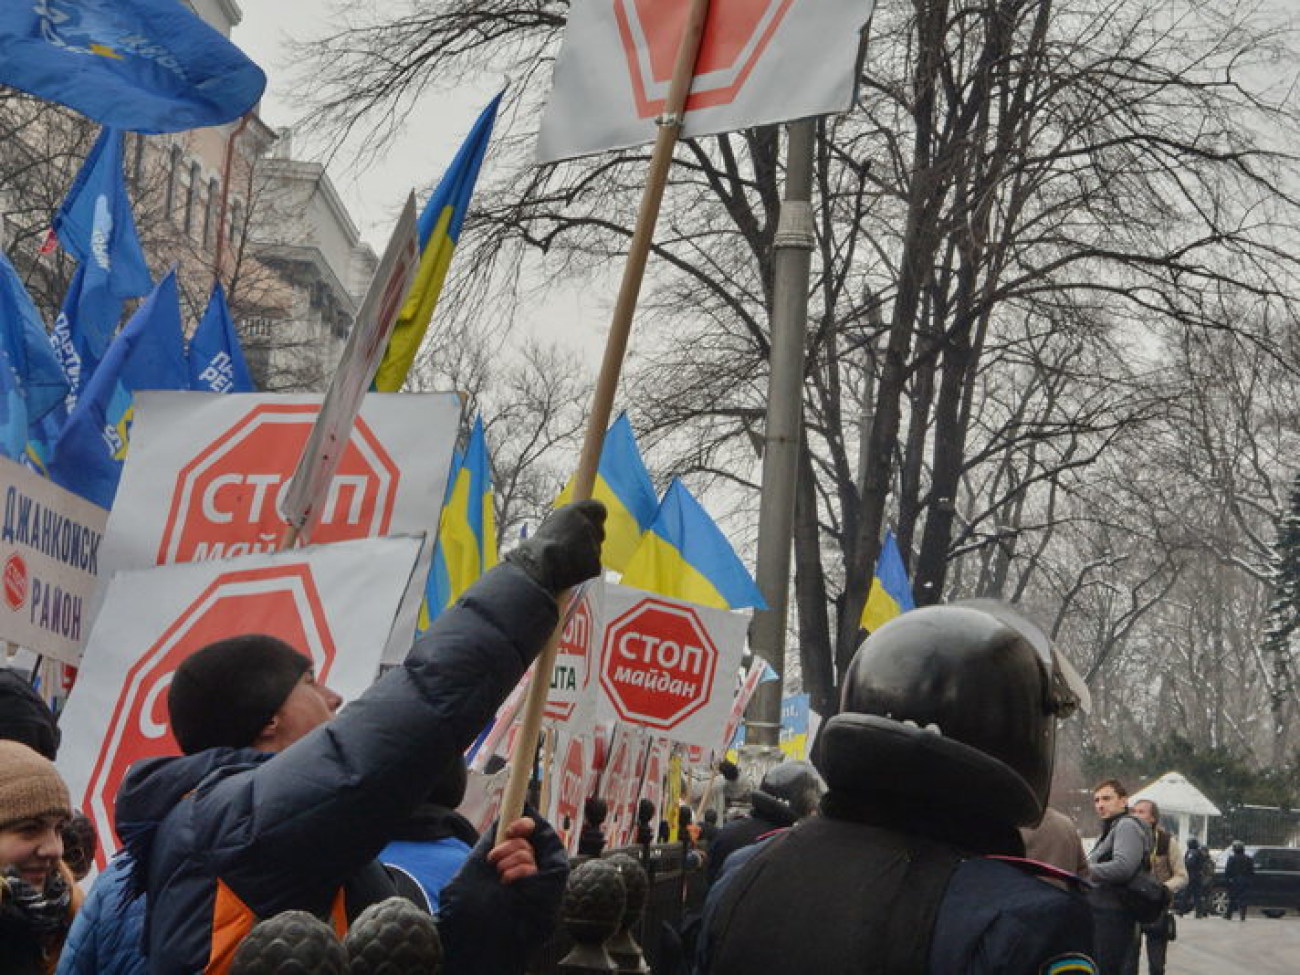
(226, 835)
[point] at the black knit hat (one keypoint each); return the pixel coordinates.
(25, 717)
(225, 693)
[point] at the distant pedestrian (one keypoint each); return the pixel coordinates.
(1118, 856)
(1168, 868)
(1239, 870)
(1200, 874)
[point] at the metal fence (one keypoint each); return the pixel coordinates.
(1255, 826)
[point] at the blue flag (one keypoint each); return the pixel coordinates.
(13, 411)
(216, 360)
(141, 65)
(94, 225)
(27, 344)
(148, 354)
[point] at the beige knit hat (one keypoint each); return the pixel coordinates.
(30, 786)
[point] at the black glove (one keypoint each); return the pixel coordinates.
(565, 550)
(488, 927)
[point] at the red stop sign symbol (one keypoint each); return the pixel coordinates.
(658, 664)
(736, 35)
(571, 674)
(573, 786)
(281, 601)
(225, 500)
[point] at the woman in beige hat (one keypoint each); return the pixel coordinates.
(38, 897)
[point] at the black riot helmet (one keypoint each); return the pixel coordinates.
(796, 785)
(952, 705)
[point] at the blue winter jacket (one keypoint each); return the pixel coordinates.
(105, 935)
(300, 830)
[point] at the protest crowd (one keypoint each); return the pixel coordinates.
(282, 709)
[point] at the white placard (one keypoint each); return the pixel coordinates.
(761, 62)
(205, 472)
(50, 561)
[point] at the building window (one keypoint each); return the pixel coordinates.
(236, 216)
(210, 213)
(192, 196)
(137, 160)
(173, 181)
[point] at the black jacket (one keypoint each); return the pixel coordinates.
(225, 837)
(768, 814)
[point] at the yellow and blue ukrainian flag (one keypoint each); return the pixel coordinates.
(467, 532)
(624, 485)
(891, 591)
(685, 555)
(439, 230)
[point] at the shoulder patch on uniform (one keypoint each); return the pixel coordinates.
(1072, 964)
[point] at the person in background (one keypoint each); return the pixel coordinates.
(788, 793)
(1168, 868)
(38, 896)
(1239, 869)
(1055, 841)
(645, 816)
(24, 717)
(709, 828)
(1119, 855)
(1200, 874)
(80, 845)
(436, 840)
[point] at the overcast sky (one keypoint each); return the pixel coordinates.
(375, 195)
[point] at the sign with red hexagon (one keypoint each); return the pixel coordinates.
(330, 602)
(667, 665)
(205, 472)
(569, 787)
(571, 698)
(751, 51)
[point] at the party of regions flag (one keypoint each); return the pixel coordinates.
(891, 592)
(216, 358)
(139, 65)
(95, 225)
(467, 535)
(149, 353)
(624, 485)
(685, 555)
(439, 231)
(27, 344)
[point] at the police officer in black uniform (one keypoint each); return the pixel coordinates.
(943, 748)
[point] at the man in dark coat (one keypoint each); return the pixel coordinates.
(1238, 871)
(944, 745)
(223, 835)
(788, 793)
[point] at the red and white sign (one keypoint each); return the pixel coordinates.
(335, 603)
(612, 76)
(206, 472)
(569, 789)
(572, 697)
(665, 663)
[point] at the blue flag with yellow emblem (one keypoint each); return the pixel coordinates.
(148, 354)
(685, 555)
(139, 65)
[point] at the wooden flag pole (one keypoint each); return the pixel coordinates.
(602, 404)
